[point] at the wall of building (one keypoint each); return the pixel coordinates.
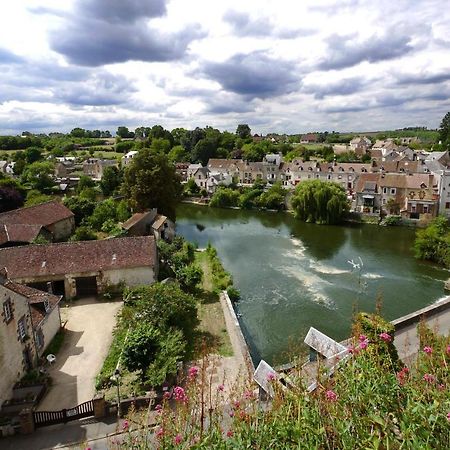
(63, 229)
(11, 348)
(50, 326)
(130, 276)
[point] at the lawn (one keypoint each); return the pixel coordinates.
(212, 322)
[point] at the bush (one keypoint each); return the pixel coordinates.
(224, 197)
(393, 220)
(233, 293)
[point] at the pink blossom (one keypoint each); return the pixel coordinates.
(248, 395)
(428, 350)
(193, 372)
(177, 439)
(236, 404)
(270, 376)
(428, 378)
(385, 337)
(158, 407)
(160, 433)
(448, 416)
(448, 349)
(230, 433)
(362, 338)
(402, 375)
(166, 395)
(220, 388)
(231, 413)
(331, 396)
(125, 425)
(179, 394)
(441, 387)
(353, 350)
(363, 344)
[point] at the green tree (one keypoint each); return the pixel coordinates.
(10, 198)
(150, 181)
(124, 132)
(123, 211)
(35, 197)
(433, 242)
(444, 130)
(243, 131)
(81, 207)
(224, 197)
(84, 233)
(103, 211)
(204, 150)
(32, 154)
(319, 202)
(179, 154)
(111, 180)
(85, 182)
(274, 197)
(38, 175)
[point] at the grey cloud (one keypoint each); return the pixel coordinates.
(342, 52)
(113, 31)
(254, 75)
(423, 78)
(244, 25)
(7, 57)
(346, 86)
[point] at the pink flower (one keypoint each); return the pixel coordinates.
(166, 395)
(402, 375)
(362, 338)
(270, 376)
(158, 407)
(193, 372)
(428, 378)
(248, 395)
(331, 396)
(231, 413)
(448, 416)
(428, 350)
(385, 337)
(177, 439)
(179, 394)
(363, 344)
(160, 433)
(353, 350)
(236, 404)
(125, 425)
(448, 349)
(220, 388)
(230, 433)
(441, 387)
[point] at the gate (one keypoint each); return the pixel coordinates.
(45, 418)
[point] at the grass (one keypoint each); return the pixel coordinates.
(212, 322)
(105, 154)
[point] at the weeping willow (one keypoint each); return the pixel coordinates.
(320, 202)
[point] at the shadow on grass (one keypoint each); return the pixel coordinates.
(207, 298)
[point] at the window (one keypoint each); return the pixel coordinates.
(384, 201)
(47, 304)
(329, 177)
(425, 209)
(447, 205)
(39, 339)
(22, 329)
(7, 310)
(393, 191)
(385, 189)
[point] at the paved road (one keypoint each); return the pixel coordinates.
(86, 343)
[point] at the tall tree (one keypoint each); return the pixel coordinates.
(243, 131)
(150, 181)
(111, 180)
(319, 202)
(444, 129)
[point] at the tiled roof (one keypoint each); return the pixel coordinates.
(44, 214)
(19, 233)
(364, 179)
(78, 257)
(134, 219)
(159, 220)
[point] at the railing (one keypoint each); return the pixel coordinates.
(45, 418)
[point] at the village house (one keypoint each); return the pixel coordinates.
(149, 223)
(367, 194)
(3, 166)
(360, 145)
(94, 167)
(200, 176)
(309, 138)
(51, 220)
(127, 158)
(83, 268)
(29, 320)
(181, 169)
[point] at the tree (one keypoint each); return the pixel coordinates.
(243, 131)
(84, 234)
(81, 207)
(204, 150)
(124, 132)
(111, 180)
(179, 154)
(34, 197)
(102, 212)
(150, 181)
(319, 202)
(78, 132)
(10, 198)
(32, 154)
(224, 197)
(274, 197)
(39, 176)
(84, 182)
(444, 130)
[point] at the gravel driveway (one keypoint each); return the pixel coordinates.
(87, 339)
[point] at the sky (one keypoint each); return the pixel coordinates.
(286, 66)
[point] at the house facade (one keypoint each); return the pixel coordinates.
(28, 322)
(83, 268)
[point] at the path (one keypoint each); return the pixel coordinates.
(87, 340)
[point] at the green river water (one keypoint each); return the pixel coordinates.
(294, 275)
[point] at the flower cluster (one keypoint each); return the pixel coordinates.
(429, 378)
(428, 350)
(331, 396)
(402, 375)
(179, 394)
(385, 337)
(193, 372)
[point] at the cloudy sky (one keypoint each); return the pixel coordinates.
(279, 65)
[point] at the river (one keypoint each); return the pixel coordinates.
(294, 275)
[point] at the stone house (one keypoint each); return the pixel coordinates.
(149, 223)
(83, 268)
(163, 228)
(201, 177)
(309, 138)
(28, 322)
(367, 193)
(360, 145)
(22, 226)
(182, 170)
(127, 158)
(94, 167)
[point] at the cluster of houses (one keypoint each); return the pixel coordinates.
(34, 278)
(397, 180)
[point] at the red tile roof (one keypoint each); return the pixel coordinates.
(44, 214)
(78, 257)
(19, 233)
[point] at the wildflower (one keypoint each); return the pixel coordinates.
(125, 425)
(363, 344)
(428, 378)
(331, 396)
(353, 350)
(385, 337)
(428, 350)
(166, 395)
(230, 432)
(402, 375)
(158, 407)
(270, 376)
(441, 387)
(179, 394)
(236, 404)
(193, 372)
(231, 413)
(160, 433)
(177, 439)
(362, 338)
(220, 388)
(448, 349)
(448, 416)
(248, 395)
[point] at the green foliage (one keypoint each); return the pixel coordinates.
(392, 220)
(444, 130)
(274, 197)
(220, 277)
(233, 293)
(84, 182)
(125, 146)
(224, 197)
(190, 276)
(123, 211)
(243, 131)
(179, 154)
(34, 197)
(320, 202)
(88, 193)
(40, 240)
(38, 176)
(104, 211)
(11, 194)
(150, 181)
(81, 207)
(191, 188)
(433, 242)
(84, 233)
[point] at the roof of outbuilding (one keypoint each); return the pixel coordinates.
(78, 257)
(19, 233)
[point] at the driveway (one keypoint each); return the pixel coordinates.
(87, 340)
